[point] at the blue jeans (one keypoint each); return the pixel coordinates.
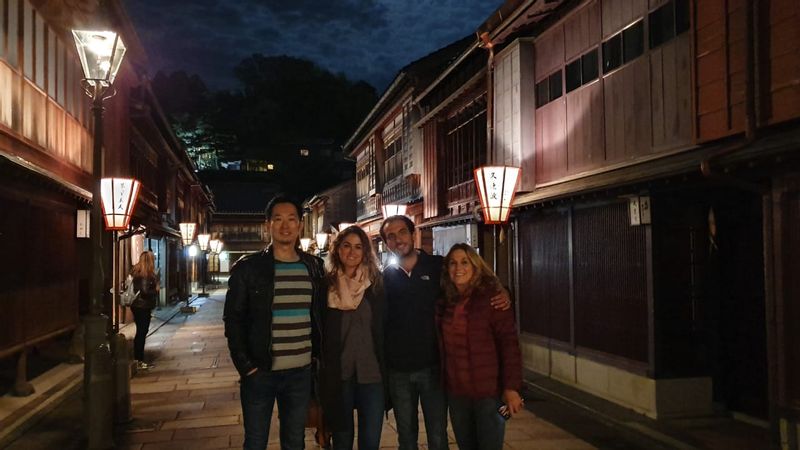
(476, 423)
(292, 389)
(408, 390)
(368, 400)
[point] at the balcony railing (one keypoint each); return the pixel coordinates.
(367, 206)
(402, 189)
(461, 193)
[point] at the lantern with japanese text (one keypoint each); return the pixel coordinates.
(496, 188)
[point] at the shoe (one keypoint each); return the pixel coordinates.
(141, 365)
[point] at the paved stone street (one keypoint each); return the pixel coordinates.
(190, 399)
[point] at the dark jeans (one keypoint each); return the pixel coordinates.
(141, 316)
(368, 400)
(292, 389)
(476, 423)
(408, 390)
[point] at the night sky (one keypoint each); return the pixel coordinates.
(365, 39)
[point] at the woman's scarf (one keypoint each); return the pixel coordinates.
(348, 292)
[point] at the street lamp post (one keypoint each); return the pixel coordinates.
(215, 246)
(101, 54)
(187, 237)
(496, 187)
(119, 197)
(202, 242)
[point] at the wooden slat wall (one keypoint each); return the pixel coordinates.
(40, 288)
(670, 93)
(544, 275)
(430, 178)
(642, 108)
(784, 60)
(620, 13)
(610, 282)
(28, 113)
(720, 68)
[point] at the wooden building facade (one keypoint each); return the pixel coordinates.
(46, 138)
(651, 233)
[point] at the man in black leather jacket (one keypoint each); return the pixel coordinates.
(273, 312)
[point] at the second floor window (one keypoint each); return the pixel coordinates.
(465, 143)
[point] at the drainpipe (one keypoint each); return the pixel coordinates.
(487, 44)
(751, 74)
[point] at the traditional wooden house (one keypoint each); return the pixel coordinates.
(388, 147)
(651, 244)
(46, 169)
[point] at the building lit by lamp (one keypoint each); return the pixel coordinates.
(496, 188)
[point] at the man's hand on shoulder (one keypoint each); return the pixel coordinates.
(501, 301)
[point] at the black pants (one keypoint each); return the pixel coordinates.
(142, 318)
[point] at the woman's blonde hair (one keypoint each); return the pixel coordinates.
(146, 267)
(334, 265)
(483, 279)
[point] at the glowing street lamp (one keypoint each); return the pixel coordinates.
(101, 54)
(187, 232)
(496, 188)
(304, 243)
(216, 246)
(119, 198)
(203, 240)
(322, 239)
(390, 210)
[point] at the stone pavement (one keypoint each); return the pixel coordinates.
(190, 399)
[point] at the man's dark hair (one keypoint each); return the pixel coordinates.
(409, 224)
(282, 198)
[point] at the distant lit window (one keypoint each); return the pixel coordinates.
(270, 167)
(304, 152)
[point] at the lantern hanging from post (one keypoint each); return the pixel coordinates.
(322, 239)
(187, 232)
(202, 241)
(101, 54)
(215, 245)
(119, 198)
(496, 188)
(393, 210)
(304, 243)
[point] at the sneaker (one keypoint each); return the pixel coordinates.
(141, 365)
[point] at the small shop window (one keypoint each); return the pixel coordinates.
(555, 86)
(668, 21)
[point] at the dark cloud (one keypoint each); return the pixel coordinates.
(364, 39)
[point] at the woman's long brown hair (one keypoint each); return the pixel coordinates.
(146, 267)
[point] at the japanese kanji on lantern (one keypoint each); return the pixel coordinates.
(119, 198)
(496, 188)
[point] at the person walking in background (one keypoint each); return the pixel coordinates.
(273, 312)
(146, 283)
(353, 372)
(480, 351)
(412, 353)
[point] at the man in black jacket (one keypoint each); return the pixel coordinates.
(272, 322)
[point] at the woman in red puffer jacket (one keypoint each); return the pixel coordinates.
(480, 352)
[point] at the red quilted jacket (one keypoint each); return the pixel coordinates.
(495, 363)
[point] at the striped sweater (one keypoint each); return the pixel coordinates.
(291, 316)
